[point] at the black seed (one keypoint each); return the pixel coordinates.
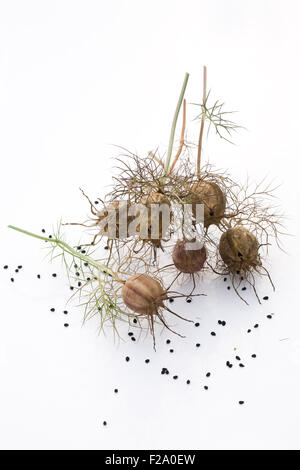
(219, 322)
(38, 276)
(197, 324)
(77, 274)
(96, 202)
(52, 309)
(188, 301)
(175, 377)
(86, 264)
(238, 358)
(71, 288)
(171, 300)
(5, 267)
(244, 288)
(256, 326)
(168, 341)
(228, 287)
(116, 390)
(213, 333)
(20, 267)
(43, 230)
(16, 270)
(50, 236)
(88, 278)
(188, 382)
(254, 356)
(205, 387)
(12, 279)
(104, 423)
(130, 333)
(106, 248)
(265, 297)
(198, 345)
(54, 275)
(134, 320)
(269, 316)
(127, 358)
(225, 279)
(241, 365)
(208, 374)
(79, 284)
(66, 325)
(83, 252)
(79, 248)
(132, 338)
(223, 323)
(249, 331)
(171, 350)
(65, 312)
(241, 402)
(147, 361)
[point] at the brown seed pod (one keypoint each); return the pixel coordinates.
(143, 294)
(188, 261)
(112, 213)
(212, 197)
(239, 249)
(148, 200)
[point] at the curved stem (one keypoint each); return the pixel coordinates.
(181, 144)
(202, 124)
(173, 128)
(68, 249)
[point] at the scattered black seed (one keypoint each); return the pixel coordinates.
(54, 275)
(5, 267)
(38, 276)
(168, 341)
(147, 361)
(133, 338)
(198, 345)
(254, 356)
(86, 264)
(238, 358)
(228, 364)
(219, 322)
(12, 279)
(171, 350)
(83, 252)
(77, 274)
(171, 299)
(75, 266)
(238, 272)
(71, 288)
(213, 333)
(223, 323)
(134, 320)
(208, 374)
(79, 284)
(241, 402)
(188, 301)
(269, 316)
(130, 333)
(249, 331)
(66, 312)
(88, 278)
(79, 248)
(225, 279)
(244, 288)
(197, 324)
(205, 387)
(116, 390)
(241, 365)
(104, 423)
(50, 236)
(175, 377)
(106, 247)
(66, 325)
(43, 230)
(52, 309)
(188, 382)
(16, 270)
(256, 326)
(228, 287)
(127, 358)
(96, 202)
(265, 297)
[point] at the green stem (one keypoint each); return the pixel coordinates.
(68, 249)
(171, 141)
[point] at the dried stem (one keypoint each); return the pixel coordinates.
(181, 138)
(202, 124)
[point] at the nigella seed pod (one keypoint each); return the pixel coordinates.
(188, 261)
(143, 294)
(212, 197)
(239, 249)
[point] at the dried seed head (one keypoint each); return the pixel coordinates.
(143, 294)
(114, 215)
(239, 249)
(188, 261)
(212, 197)
(148, 200)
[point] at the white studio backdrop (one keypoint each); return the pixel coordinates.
(77, 77)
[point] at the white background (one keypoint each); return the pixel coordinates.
(76, 77)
